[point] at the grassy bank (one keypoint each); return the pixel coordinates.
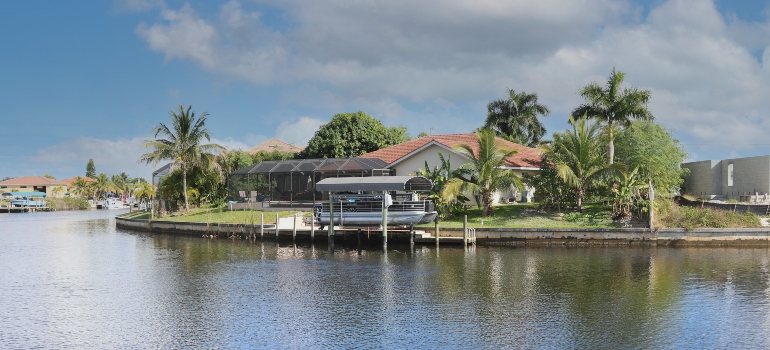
(526, 216)
(216, 215)
(672, 215)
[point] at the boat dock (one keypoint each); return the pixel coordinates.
(6, 209)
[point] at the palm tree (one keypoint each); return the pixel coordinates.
(102, 184)
(516, 118)
(181, 144)
(612, 106)
(578, 157)
(80, 186)
(484, 175)
(144, 191)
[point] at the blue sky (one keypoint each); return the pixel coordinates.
(89, 79)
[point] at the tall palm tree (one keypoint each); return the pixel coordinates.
(181, 144)
(485, 174)
(101, 185)
(579, 157)
(80, 186)
(516, 118)
(613, 106)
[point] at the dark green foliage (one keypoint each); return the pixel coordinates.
(649, 147)
(439, 176)
(516, 118)
(91, 169)
(552, 192)
(351, 135)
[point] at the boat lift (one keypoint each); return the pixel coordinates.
(381, 184)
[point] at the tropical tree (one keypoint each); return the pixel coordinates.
(122, 183)
(351, 135)
(101, 185)
(484, 175)
(181, 144)
(80, 186)
(516, 118)
(650, 147)
(578, 157)
(440, 176)
(612, 106)
(90, 169)
(144, 191)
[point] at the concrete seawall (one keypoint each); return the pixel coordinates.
(492, 236)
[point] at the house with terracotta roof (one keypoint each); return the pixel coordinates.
(409, 157)
(51, 187)
(273, 144)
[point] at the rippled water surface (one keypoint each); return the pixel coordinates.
(71, 280)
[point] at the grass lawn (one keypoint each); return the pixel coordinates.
(526, 216)
(217, 216)
(506, 216)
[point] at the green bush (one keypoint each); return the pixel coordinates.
(68, 203)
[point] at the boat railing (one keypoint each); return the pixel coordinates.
(375, 205)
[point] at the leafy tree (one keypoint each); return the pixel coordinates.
(578, 157)
(49, 176)
(422, 134)
(182, 144)
(612, 106)
(624, 192)
(90, 169)
(649, 147)
(516, 118)
(484, 175)
(552, 191)
(351, 135)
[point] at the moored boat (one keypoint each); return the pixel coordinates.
(367, 210)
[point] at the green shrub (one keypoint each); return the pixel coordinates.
(68, 203)
(731, 201)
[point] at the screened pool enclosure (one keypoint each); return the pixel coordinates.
(291, 183)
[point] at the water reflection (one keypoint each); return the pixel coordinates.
(72, 280)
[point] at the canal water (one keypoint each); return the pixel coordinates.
(71, 280)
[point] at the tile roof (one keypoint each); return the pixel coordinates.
(274, 144)
(32, 181)
(526, 157)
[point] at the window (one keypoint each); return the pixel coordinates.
(730, 175)
(23, 186)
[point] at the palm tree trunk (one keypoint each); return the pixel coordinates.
(611, 145)
(184, 187)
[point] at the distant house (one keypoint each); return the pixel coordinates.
(409, 157)
(737, 178)
(273, 144)
(51, 187)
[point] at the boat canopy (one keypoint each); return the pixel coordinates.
(24, 194)
(374, 183)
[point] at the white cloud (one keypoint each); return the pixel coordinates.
(416, 62)
(69, 158)
(298, 132)
(110, 157)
